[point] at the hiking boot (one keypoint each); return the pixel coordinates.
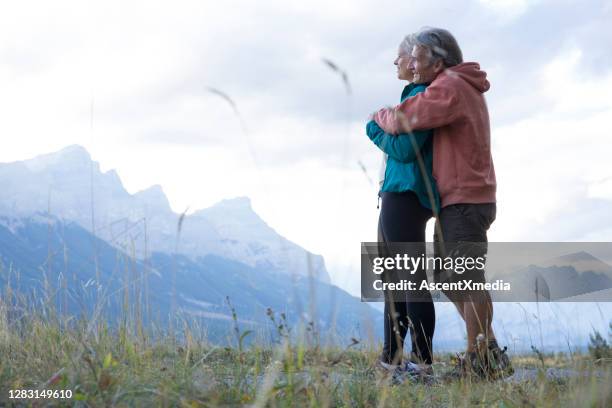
(499, 365)
(490, 364)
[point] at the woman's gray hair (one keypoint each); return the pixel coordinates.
(441, 45)
(408, 44)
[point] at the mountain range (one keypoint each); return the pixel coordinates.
(73, 236)
(140, 256)
(69, 185)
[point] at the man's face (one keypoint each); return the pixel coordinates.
(402, 62)
(423, 69)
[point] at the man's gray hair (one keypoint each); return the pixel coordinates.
(441, 45)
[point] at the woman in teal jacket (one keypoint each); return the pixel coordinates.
(409, 199)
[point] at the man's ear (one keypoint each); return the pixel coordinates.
(438, 66)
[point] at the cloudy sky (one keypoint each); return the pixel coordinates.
(142, 70)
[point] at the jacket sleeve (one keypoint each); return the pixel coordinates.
(402, 147)
(437, 106)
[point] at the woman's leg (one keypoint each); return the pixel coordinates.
(395, 320)
(403, 219)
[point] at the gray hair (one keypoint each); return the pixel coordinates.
(441, 45)
(408, 43)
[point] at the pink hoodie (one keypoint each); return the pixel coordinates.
(454, 106)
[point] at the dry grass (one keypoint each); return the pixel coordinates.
(116, 368)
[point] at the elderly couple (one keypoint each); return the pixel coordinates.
(437, 162)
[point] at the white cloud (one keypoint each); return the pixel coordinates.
(507, 9)
(552, 165)
(146, 66)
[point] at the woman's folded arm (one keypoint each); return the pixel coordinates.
(402, 147)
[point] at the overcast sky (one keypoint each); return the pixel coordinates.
(144, 68)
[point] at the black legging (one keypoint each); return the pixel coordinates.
(403, 219)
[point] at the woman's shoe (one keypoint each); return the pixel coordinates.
(422, 373)
(407, 371)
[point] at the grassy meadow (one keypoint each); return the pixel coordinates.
(135, 366)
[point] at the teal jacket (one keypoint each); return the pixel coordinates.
(403, 172)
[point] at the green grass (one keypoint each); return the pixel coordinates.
(118, 368)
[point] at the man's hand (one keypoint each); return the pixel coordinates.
(386, 119)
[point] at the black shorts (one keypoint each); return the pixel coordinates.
(463, 229)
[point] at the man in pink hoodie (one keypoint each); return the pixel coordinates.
(454, 106)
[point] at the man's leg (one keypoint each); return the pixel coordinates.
(478, 317)
(485, 359)
(439, 251)
(463, 228)
(469, 223)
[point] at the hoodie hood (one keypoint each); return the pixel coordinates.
(471, 73)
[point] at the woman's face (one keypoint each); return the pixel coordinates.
(402, 63)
